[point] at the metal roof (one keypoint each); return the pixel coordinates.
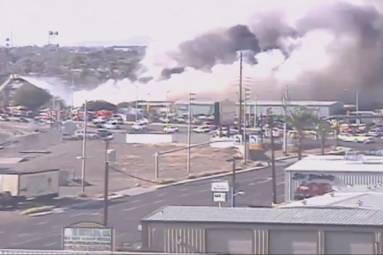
(349, 197)
(337, 164)
(315, 216)
(294, 103)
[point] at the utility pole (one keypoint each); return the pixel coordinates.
(246, 97)
(285, 102)
(83, 156)
(106, 184)
(274, 178)
(136, 104)
(255, 111)
(357, 106)
(240, 93)
(191, 98)
(233, 181)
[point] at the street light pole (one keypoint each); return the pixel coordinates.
(188, 156)
(83, 156)
(51, 35)
(106, 184)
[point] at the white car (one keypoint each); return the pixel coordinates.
(111, 125)
(99, 120)
(90, 135)
(170, 129)
(139, 126)
(201, 129)
(143, 121)
(355, 138)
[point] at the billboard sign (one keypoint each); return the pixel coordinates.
(88, 236)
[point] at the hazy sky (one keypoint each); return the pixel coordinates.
(28, 21)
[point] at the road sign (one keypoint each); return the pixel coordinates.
(220, 187)
(88, 236)
(219, 197)
(237, 139)
(253, 139)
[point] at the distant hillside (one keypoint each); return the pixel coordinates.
(88, 66)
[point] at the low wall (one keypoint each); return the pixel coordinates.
(149, 138)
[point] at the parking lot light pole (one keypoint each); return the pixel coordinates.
(191, 98)
(245, 145)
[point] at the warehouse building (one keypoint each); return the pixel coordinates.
(295, 230)
(324, 108)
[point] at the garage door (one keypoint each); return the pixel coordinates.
(349, 243)
(229, 241)
(293, 242)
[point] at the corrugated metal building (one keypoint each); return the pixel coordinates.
(319, 174)
(185, 229)
(324, 108)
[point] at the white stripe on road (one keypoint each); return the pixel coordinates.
(41, 223)
(50, 244)
(35, 239)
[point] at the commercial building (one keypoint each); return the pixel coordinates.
(294, 230)
(317, 175)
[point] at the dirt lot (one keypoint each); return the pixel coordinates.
(139, 160)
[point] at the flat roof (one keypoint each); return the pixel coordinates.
(366, 197)
(367, 164)
(313, 216)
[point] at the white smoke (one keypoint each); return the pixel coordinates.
(322, 55)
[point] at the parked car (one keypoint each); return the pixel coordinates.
(22, 120)
(102, 133)
(171, 129)
(111, 125)
(201, 129)
(139, 126)
(4, 118)
(70, 137)
(89, 135)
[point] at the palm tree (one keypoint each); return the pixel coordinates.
(301, 118)
(323, 129)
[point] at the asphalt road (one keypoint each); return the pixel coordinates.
(45, 232)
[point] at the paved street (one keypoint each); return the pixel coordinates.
(45, 232)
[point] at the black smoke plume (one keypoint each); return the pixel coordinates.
(216, 47)
(167, 72)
